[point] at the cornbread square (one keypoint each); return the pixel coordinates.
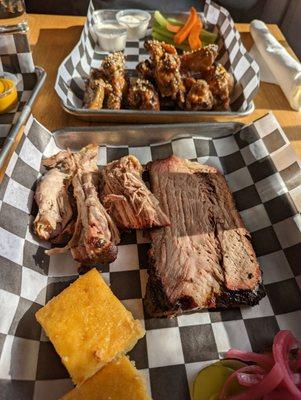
(88, 326)
(118, 380)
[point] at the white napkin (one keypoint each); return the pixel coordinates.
(276, 64)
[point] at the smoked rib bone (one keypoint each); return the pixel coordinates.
(95, 236)
(54, 205)
(204, 258)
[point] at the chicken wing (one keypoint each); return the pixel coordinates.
(199, 96)
(166, 66)
(96, 91)
(198, 61)
(54, 204)
(221, 85)
(145, 70)
(112, 71)
(142, 95)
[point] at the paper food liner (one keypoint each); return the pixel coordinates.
(263, 173)
(73, 71)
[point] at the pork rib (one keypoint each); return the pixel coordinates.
(69, 162)
(54, 203)
(204, 259)
(95, 235)
(126, 197)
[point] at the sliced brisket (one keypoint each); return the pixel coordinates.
(126, 197)
(204, 259)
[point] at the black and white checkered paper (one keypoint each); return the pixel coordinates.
(16, 59)
(263, 173)
(73, 71)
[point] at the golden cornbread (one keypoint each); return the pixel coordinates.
(118, 380)
(88, 326)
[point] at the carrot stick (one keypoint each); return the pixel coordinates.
(184, 31)
(173, 28)
(194, 35)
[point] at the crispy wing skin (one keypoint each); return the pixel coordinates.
(96, 91)
(54, 203)
(145, 70)
(112, 71)
(127, 198)
(221, 85)
(199, 96)
(166, 66)
(142, 95)
(200, 60)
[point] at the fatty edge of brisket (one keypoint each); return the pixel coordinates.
(157, 303)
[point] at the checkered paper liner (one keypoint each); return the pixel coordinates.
(263, 173)
(73, 71)
(16, 59)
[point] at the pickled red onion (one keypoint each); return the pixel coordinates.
(281, 377)
(296, 379)
(249, 379)
(279, 395)
(283, 343)
(262, 359)
(295, 363)
(271, 380)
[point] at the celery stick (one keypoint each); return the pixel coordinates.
(158, 36)
(162, 21)
(167, 37)
(164, 31)
(174, 21)
(206, 37)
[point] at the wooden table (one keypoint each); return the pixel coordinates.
(52, 38)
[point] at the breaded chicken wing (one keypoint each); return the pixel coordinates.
(96, 91)
(112, 71)
(199, 60)
(166, 64)
(142, 95)
(199, 96)
(145, 70)
(221, 85)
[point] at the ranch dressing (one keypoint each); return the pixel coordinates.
(136, 22)
(111, 36)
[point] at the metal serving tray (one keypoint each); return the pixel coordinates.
(148, 117)
(140, 135)
(173, 350)
(84, 50)
(10, 139)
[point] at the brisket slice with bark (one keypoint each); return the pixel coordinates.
(204, 259)
(126, 197)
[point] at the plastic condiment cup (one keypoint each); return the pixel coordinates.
(110, 35)
(136, 22)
